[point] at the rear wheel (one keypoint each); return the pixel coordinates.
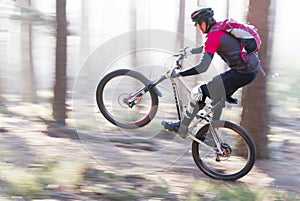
(114, 99)
(239, 151)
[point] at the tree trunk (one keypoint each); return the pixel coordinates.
(59, 102)
(180, 26)
(255, 102)
(28, 91)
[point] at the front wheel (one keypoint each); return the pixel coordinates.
(114, 99)
(238, 151)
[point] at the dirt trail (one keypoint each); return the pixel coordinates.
(28, 143)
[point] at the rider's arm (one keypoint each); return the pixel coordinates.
(201, 67)
(197, 50)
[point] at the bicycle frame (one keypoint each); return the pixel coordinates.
(152, 85)
(174, 87)
(157, 81)
(216, 136)
(213, 141)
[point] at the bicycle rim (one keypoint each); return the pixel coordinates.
(119, 87)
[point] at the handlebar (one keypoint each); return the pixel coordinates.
(180, 56)
(183, 54)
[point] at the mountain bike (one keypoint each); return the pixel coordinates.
(221, 149)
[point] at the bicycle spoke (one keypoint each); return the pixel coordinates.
(232, 157)
(225, 164)
(116, 91)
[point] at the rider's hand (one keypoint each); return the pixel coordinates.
(174, 73)
(188, 51)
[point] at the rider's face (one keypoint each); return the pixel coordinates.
(201, 27)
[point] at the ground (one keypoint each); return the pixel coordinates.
(40, 160)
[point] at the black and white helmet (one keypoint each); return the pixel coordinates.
(204, 14)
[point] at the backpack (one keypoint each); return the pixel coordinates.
(247, 35)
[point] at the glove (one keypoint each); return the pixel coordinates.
(188, 51)
(174, 73)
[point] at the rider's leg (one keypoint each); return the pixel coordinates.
(219, 87)
(196, 103)
(231, 81)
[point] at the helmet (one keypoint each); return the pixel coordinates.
(202, 14)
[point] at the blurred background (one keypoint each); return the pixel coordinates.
(43, 45)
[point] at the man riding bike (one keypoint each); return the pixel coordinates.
(241, 72)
